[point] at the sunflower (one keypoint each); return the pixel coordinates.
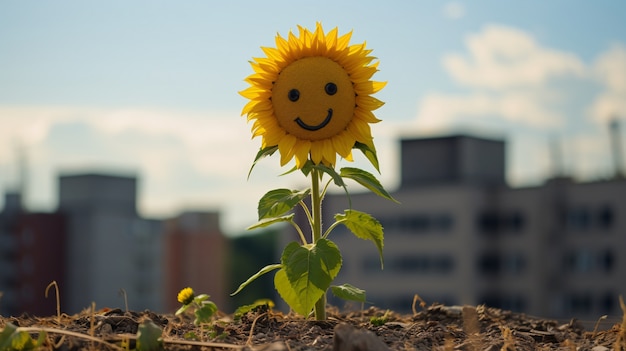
(310, 97)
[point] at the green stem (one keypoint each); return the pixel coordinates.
(330, 229)
(308, 214)
(316, 208)
(295, 225)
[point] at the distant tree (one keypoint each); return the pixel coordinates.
(249, 252)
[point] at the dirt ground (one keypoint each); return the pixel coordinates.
(435, 328)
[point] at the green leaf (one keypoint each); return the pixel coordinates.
(11, 338)
(149, 337)
(201, 297)
(204, 313)
(348, 292)
(263, 270)
(369, 152)
(332, 173)
(309, 270)
(269, 221)
(367, 180)
(307, 167)
(268, 151)
(293, 169)
(289, 294)
(363, 226)
(190, 336)
(182, 309)
(278, 201)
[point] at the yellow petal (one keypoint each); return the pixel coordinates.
(342, 42)
(365, 115)
(316, 151)
(285, 147)
(330, 155)
(360, 130)
(368, 87)
(302, 149)
(349, 157)
(340, 145)
(368, 102)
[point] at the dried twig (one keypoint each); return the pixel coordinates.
(56, 290)
(252, 327)
(68, 333)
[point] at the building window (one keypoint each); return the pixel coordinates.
(606, 261)
(489, 264)
(607, 303)
(585, 261)
(491, 223)
(605, 217)
(578, 219)
(494, 263)
(418, 223)
(515, 222)
(579, 261)
(488, 222)
(417, 264)
(579, 303)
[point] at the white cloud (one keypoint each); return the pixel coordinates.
(185, 159)
(610, 70)
(504, 57)
(439, 111)
(511, 82)
(508, 77)
(181, 156)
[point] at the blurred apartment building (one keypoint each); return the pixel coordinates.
(98, 249)
(462, 236)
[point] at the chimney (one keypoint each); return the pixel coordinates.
(616, 148)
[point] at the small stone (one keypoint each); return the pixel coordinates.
(349, 338)
(105, 329)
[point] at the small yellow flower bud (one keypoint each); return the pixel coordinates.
(186, 296)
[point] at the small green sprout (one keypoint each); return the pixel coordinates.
(261, 303)
(204, 309)
(378, 321)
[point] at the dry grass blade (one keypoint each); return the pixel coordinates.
(249, 342)
(204, 344)
(56, 290)
(68, 333)
(471, 327)
(416, 298)
(620, 342)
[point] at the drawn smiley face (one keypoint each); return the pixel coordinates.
(313, 98)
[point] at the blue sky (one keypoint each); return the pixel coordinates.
(150, 88)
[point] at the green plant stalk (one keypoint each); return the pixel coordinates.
(316, 207)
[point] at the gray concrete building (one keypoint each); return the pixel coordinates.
(462, 236)
(110, 249)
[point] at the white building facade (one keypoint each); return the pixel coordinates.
(460, 235)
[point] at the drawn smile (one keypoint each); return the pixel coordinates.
(317, 127)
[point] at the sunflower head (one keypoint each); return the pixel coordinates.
(310, 97)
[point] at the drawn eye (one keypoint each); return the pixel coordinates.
(331, 88)
(293, 95)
